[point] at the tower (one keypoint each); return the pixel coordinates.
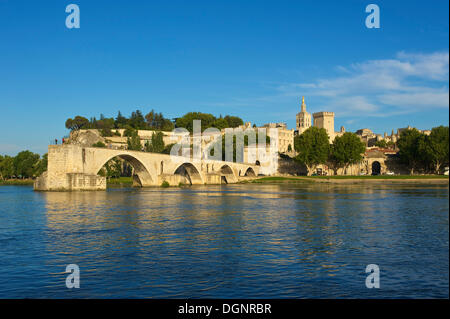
(325, 120)
(303, 118)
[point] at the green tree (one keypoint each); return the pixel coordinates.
(411, 149)
(381, 143)
(6, 167)
(156, 145)
(346, 150)
(77, 123)
(186, 121)
(113, 168)
(233, 121)
(220, 123)
(134, 142)
(137, 120)
(120, 121)
(99, 144)
(106, 132)
(436, 147)
(313, 147)
(25, 164)
(42, 164)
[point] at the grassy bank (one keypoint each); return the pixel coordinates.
(351, 179)
(16, 182)
(128, 181)
(377, 177)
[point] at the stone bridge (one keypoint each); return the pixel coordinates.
(73, 167)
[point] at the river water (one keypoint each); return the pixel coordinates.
(234, 241)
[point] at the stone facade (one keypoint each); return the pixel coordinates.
(325, 120)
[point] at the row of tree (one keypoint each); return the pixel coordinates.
(137, 121)
(428, 153)
(207, 121)
(313, 149)
(25, 164)
(151, 121)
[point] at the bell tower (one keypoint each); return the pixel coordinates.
(303, 118)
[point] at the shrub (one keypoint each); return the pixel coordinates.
(99, 144)
(165, 184)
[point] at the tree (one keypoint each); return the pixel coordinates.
(313, 147)
(411, 149)
(77, 123)
(137, 120)
(99, 144)
(106, 132)
(346, 150)
(120, 121)
(42, 164)
(186, 121)
(157, 143)
(6, 167)
(233, 121)
(436, 147)
(134, 142)
(113, 168)
(381, 143)
(220, 123)
(25, 164)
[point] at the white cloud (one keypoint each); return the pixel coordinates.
(402, 85)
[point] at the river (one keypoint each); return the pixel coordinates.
(231, 241)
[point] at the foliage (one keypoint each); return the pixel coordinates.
(6, 167)
(24, 165)
(42, 164)
(412, 147)
(381, 143)
(77, 123)
(156, 121)
(313, 147)
(436, 148)
(99, 144)
(165, 184)
(134, 142)
(106, 132)
(156, 144)
(208, 120)
(346, 150)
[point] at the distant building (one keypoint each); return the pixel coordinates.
(285, 136)
(325, 120)
(303, 118)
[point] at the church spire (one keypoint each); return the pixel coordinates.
(303, 104)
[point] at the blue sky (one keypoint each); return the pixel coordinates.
(253, 59)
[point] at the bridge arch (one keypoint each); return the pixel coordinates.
(141, 175)
(190, 172)
(228, 175)
(250, 172)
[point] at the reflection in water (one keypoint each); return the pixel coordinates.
(289, 241)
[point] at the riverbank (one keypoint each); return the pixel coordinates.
(427, 179)
(16, 182)
(124, 181)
